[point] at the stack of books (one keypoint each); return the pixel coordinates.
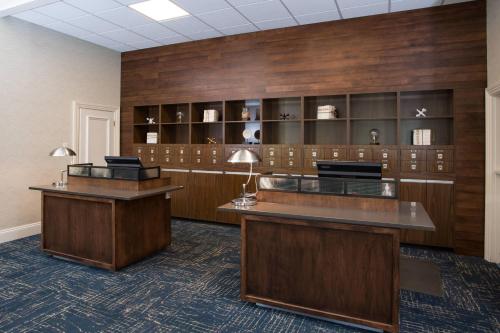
(327, 112)
(210, 116)
(152, 137)
(422, 137)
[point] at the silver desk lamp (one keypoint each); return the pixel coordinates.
(244, 156)
(62, 152)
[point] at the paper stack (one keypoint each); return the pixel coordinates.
(152, 137)
(327, 112)
(210, 116)
(422, 137)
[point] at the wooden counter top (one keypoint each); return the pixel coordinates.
(104, 192)
(405, 217)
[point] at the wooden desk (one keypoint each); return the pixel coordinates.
(329, 256)
(106, 223)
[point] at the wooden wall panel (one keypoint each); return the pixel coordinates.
(436, 48)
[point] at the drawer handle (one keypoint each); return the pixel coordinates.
(152, 151)
(139, 151)
(440, 167)
(335, 154)
(384, 165)
(181, 160)
(271, 163)
(384, 155)
(167, 159)
(414, 167)
(361, 155)
(314, 164)
(314, 154)
(214, 161)
(214, 152)
(198, 160)
(290, 163)
(290, 153)
(271, 153)
(440, 156)
(413, 155)
(198, 152)
(181, 152)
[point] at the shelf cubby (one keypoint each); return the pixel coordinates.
(360, 131)
(141, 130)
(169, 113)
(175, 133)
(311, 104)
(439, 103)
(198, 109)
(273, 107)
(373, 106)
(146, 111)
(281, 132)
(442, 130)
(322, 132)
(233, 110)
(234, 132)
(200, 132)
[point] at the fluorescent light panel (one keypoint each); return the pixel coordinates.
(159, 10)
(8, 4)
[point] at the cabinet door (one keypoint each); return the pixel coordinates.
(440, 207)
(205, 195)
(232, 189)
(180, 199)
(413, 191)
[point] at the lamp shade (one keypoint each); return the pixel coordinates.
(244, 156)
(62, 151)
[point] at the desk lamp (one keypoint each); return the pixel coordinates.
(62, 152)
(244, 156)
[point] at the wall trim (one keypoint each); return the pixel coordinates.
(492, 177)
(10, 234)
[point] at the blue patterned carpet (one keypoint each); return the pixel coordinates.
(194, 287)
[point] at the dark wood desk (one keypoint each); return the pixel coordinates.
(329, 256)
(106, 223)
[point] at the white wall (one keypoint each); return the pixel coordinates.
(41, 73)
(493, 24)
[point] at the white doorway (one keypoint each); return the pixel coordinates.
(492, 202)
(96, 132)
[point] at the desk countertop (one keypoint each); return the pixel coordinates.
(406, 216)
(106, 193)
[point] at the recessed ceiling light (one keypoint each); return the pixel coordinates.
(159, 10)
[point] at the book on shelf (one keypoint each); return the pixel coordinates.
(210, 116)
(152, 137)
(422, 137)
(326, 112)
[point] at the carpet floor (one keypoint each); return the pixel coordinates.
(193, 286)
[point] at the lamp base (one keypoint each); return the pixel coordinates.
(244, 202)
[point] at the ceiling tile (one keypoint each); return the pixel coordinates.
(223, 18)
(205, 35)
(106, 42)
(301, 7)
(36, 18)
(60, 11)
(187, 25)
(399, 5)
(244, 2)
(375, 9)
(94, 24)
(173, 40)
(125, 17)
(154, 31)
(359, 3)
(69, 29)
(275, 24)
(93, 6)
(240, 29)
(318, 17)
(264, 11)
(145, 45)
(201, 6)
(124, 36)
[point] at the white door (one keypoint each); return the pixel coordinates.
(98, 133)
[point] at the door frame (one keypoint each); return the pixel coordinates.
(492, 176)
(75, 140)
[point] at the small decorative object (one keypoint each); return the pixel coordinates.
(247, 134)
(284, 116)
(422, 137)
(212, 140)
(327, 112)
(152, 137)
(210, 116)
(374, 134)
(179, 116)
(151, 120)
(421, 113)
(256, 135)
(245, 114)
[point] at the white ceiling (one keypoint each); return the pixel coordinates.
(112, 24)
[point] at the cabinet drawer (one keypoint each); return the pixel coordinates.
(440, 166)
(166, 159)
(310, 163)
(271, 151)
(291, 152)
(166, 150)
(360, 154)
(385, 154)
(291, 162)
(413, 154)
(182, 151)
(389, 166)
(315, 153)
(412, 166)
(440, 155)
(339, 154)
(271, 162)
(140, 150)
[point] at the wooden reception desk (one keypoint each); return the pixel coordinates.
(331, 256)
(106, 223)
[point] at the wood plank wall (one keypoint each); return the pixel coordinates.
(434, 48)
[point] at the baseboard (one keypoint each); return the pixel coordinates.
(10, 234)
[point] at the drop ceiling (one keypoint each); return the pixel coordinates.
(114, 25)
